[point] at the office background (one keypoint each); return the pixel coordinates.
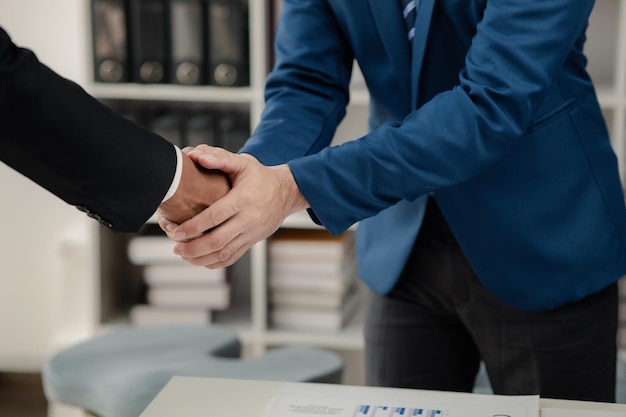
(63, 279)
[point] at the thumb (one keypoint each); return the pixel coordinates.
(217, 158)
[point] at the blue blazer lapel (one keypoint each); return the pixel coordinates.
(422, 25)
(390, 24)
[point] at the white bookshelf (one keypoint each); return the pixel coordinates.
(68, 307)
(249, 319)
(48, 250)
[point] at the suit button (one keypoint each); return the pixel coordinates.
(95, 216)
(100, 220)
(106, 223)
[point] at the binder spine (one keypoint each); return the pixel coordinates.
(228, 52)
(149, 30)
(110, 41)
(187, 38)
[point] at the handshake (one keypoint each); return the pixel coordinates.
(225, 203)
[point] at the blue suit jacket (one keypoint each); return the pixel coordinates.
(492, 111)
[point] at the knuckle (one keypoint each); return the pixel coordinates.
(247, 198)
(223, 255)
(213, 219)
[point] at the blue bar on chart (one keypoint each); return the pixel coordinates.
(420, 412)
(368, 410)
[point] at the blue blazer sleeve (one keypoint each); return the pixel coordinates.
(307, 92)
(518, 51)
(53, 132)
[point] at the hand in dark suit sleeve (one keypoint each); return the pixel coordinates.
(59, 136)
(197, 190)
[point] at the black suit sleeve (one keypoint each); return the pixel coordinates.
(56, 134)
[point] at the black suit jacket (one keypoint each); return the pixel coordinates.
(56, 134)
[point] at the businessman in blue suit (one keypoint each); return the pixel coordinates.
(491, 216)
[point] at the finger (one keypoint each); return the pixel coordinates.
(198, 150)
(204, 147)
(166, 225)
(205, 250)
(224, 257)
(209, 243)
(221, 239)
(207, 219)
(187, 149)
(218, 158)
(215, 263)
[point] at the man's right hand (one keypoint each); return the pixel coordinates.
(260, 200)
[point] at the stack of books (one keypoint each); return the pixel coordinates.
(176, 292)
(312, 279)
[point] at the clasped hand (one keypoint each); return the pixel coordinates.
(260, 199)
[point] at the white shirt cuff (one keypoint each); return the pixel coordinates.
(177, 175)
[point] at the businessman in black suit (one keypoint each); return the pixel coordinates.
(116, 171)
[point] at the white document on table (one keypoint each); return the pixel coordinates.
(321, 400)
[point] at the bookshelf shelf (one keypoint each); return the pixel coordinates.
(170, 92)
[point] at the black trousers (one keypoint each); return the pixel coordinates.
(439, 322)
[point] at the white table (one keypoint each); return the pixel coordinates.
(214, 397)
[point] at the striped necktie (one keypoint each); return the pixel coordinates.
(409, 11)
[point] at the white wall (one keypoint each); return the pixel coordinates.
(39, 234)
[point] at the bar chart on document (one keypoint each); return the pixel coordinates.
(367, 410)
(325, 400)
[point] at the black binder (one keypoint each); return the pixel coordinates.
(110, 49)
(187, 36)
(228, 52)
(149, 41)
